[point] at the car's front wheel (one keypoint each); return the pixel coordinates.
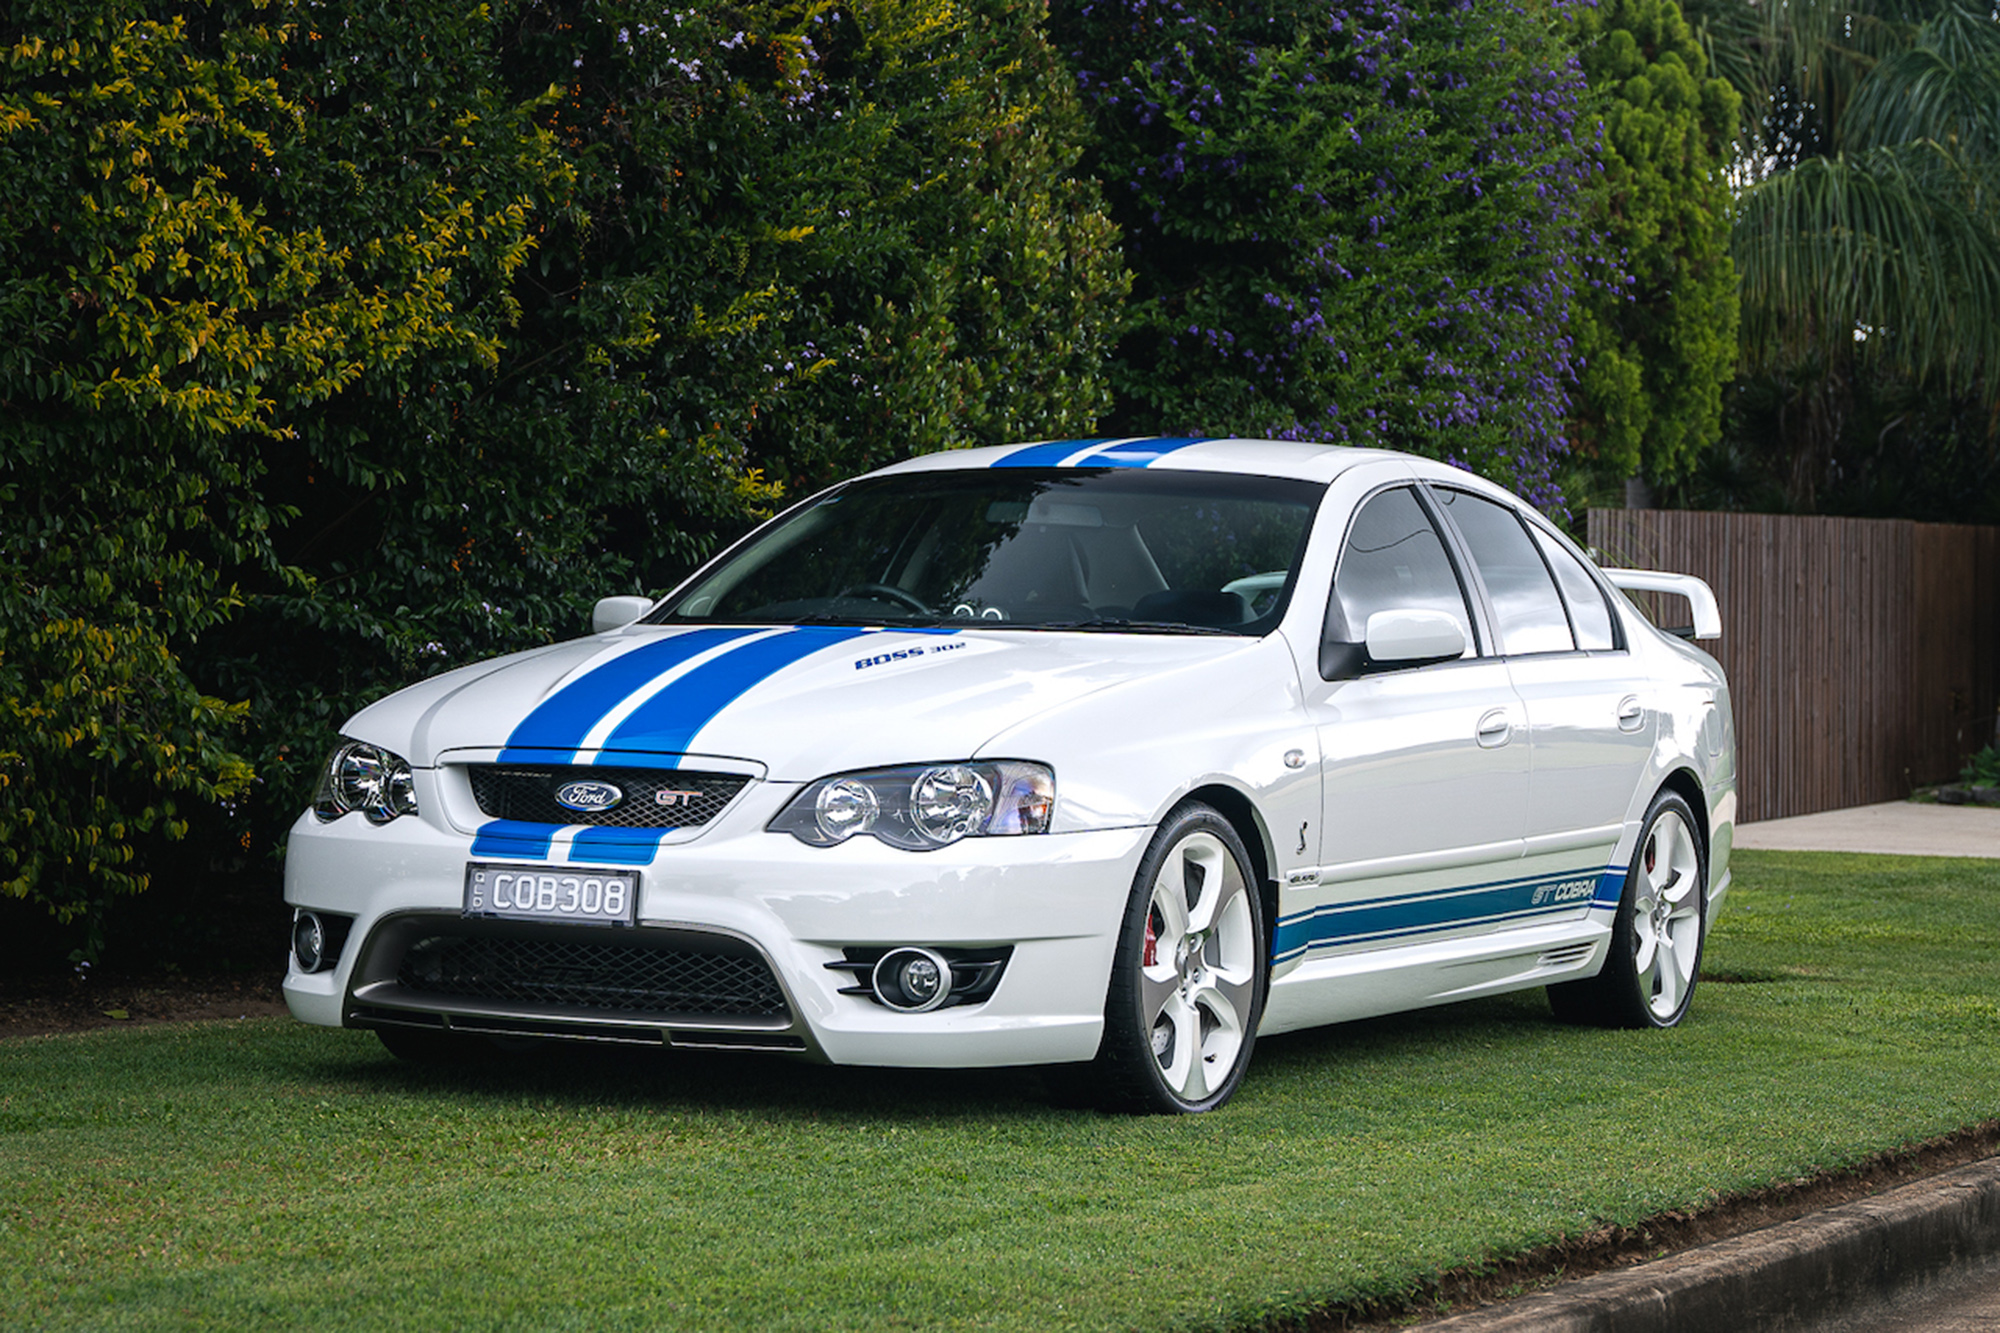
(1648, 978)
(1187, 982)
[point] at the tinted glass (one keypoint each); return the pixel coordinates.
(1588, 614)
(1527, 612)
(1394, 560)
(1113, 548)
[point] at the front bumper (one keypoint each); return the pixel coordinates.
(743, 901)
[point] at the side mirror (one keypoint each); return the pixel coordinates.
(1394, 639)
(1413, 638)
(617, 612)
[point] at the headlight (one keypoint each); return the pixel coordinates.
(923, 806)
(367, 778)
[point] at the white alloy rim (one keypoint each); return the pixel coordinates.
(1198, 966)
(1666, 916)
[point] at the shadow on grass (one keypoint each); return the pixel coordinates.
(790, 1090)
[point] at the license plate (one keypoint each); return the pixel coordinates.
(552, 893)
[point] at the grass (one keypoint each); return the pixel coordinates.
(264, 1174)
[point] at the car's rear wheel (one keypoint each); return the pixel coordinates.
(1188, 980)
(1649, 978)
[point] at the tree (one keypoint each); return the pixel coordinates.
(1657, 348)
(341, 343)
(175, 320)
(1355, 222)
(1867, 232)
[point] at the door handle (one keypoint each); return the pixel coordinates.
(1631, 715)
(1495, 727)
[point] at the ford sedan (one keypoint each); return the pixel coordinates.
(1106, 756)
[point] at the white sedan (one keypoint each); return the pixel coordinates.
(1104, 755)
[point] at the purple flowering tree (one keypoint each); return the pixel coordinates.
(1357, 221)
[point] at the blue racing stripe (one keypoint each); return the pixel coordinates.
(513, 837)
(1139, 453)
(616, 846)
(1378, 919)
(1047, 454)
(669, 721)
(561, 721)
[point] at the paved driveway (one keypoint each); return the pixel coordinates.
(1900, 827)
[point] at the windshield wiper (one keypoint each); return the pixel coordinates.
(1129, 626)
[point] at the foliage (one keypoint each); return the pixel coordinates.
(252, 1174)
(1658, 348)
(1983, 769)
(1359, 222)
(1867, 234)
(433, 322)
(180, 306)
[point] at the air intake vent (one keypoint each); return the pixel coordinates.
(645, 797)
(663, 980)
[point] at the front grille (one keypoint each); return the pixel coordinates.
(652, 798)
(667, 980)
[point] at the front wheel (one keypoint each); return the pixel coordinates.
(1649, 977)
(1188, 980)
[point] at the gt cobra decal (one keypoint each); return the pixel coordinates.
(1376, 920)
(1136, 452)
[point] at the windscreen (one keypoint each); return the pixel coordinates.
(1105, 549)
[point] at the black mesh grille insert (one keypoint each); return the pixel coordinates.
(647, 797)
(685, 982)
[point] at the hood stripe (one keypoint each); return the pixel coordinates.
(671, 719)
(565, 718)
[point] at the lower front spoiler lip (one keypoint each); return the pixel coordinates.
(384, 1007)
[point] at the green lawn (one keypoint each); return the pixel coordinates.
(266, 1174)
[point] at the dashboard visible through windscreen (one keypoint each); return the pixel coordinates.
(1110, 548)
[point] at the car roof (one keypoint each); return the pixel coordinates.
(1273, 458)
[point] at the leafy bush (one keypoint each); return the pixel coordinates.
(1352, 221)
(1659, 345)
(341, 343)
(1983, 769)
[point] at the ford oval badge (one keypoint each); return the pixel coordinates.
(588, 796)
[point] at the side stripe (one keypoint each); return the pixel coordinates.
(1375, 920)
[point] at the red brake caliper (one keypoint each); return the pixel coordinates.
(1150, 957)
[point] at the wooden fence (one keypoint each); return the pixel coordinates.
(1863, 654)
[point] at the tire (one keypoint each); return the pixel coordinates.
(1188, 979)
(1649, 977)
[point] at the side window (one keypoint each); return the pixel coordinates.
(1527, 612)
(1587, 610)
(1394, 559)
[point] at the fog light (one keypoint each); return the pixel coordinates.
(308, 942)
(912, 980)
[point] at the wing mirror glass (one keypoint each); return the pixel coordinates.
(617, 612)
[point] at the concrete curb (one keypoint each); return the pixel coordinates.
(1785, 1276)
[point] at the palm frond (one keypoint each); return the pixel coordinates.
(1873, 256)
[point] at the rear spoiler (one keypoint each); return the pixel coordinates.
(1707, 615)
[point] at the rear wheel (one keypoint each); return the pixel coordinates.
(1649, 977)
(1187, 982)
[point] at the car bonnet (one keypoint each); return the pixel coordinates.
(798, 701)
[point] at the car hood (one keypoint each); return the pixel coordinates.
(796, 702)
